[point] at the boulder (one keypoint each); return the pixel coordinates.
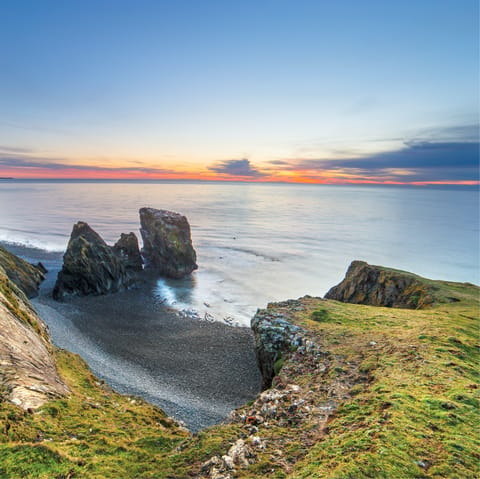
(91, 267)
(379, 286)
(127, 249)
(167, 243)
(25, 275)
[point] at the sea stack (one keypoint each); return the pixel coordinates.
(167, 243)
(91, 267)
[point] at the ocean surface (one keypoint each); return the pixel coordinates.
(258, 243)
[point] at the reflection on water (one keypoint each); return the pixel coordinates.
(262, 242)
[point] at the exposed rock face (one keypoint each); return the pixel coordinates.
(91, 267)
(378, 286)
(25, 275)
(28, 376)
(275, 337)
(167, 243)
(127, 249)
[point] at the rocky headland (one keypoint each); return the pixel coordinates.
(350, 390)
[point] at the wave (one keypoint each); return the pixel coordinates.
(51, 242)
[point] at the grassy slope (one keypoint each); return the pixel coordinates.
(408, 407)
(417, 415)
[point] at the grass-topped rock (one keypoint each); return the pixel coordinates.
(380, 286)
(25, 275)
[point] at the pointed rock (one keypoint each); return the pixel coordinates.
(90, 266)
(167, 243)
(127, 249)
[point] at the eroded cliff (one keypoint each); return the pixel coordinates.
(28, 374)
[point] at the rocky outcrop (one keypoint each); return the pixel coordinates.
(127, 249)
(167, 243)
(276, 337)
(28, 375)
(25, 275)
(91, 267)
(379, 286)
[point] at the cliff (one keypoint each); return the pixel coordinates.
(28, 375)
(352, 391)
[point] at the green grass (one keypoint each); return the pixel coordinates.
(405, 383)
(93, 433)
(417, 416)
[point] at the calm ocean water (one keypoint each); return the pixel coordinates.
(261, 242)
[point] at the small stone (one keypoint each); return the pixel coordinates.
(228, 462)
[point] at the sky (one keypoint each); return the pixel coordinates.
(264, 90)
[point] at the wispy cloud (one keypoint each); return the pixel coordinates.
(54, 165)
(236, 168)
(14, 149)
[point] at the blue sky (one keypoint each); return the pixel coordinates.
(253, 89)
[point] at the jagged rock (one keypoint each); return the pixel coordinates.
(90, 266)
(28, 375)
(127, 249)
(25, 275)
(167, 243)
(378, 286)
(274, 336)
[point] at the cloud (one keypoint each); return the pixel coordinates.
(13, 161)
(236, 168)
(416, 161)
(12, 149)
(278, 162)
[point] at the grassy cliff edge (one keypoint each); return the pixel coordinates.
(353, 391)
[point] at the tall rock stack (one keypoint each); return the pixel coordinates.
(167, 243)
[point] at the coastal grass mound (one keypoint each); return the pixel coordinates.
(414, 405)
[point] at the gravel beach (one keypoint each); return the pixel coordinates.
(197, 371)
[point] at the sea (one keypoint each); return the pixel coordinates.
(258, 243)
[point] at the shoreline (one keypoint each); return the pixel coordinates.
(197, 371)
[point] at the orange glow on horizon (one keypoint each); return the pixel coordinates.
(293, 176)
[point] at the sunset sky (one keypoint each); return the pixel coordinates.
(263, 90)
